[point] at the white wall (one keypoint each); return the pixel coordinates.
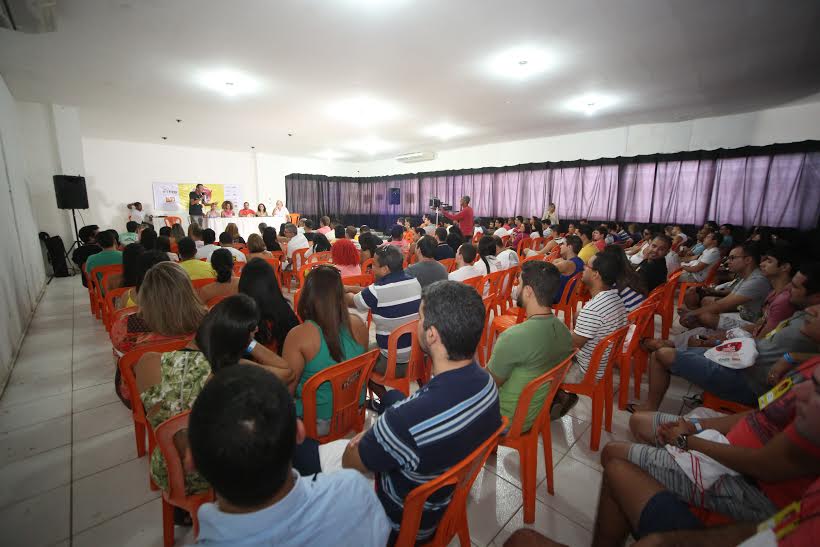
(777, 125)
(22, 275)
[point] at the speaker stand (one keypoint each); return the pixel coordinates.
(72, 268)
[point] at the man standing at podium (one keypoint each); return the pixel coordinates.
(464, 217)
(196, 200)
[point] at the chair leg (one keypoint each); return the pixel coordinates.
(597, 418)
(528, 454)
(167, 524)
(625, 373)
(608, 397)
(464, 531)
(139, 434)
(546, 439)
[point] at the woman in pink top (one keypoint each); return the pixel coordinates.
(227, 209)
(345, 257)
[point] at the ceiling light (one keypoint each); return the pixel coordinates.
(444, 131)
(229, 83)
(363, 111)
(520, 63)
(590, 103)
(331, 155)
(371, 145)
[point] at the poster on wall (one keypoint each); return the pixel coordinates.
(172, 196)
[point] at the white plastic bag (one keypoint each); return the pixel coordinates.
(736, 353)
(737, 333)
(702, 470)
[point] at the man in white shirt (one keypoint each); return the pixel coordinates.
(135, 212)
(296, 241)
(208, 247)
(477, 228)
(500, 230)
(464, 261)
(507, 258)
(226, 242)
(698, 269)
(428, 227)
(551, 215)
(672, 259)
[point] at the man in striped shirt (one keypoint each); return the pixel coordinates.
(421, 437)
(394, 300)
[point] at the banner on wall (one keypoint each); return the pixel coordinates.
(173, 196)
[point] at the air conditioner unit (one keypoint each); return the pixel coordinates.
(416, 157)
(30, 16)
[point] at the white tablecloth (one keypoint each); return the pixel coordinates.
(246, 225)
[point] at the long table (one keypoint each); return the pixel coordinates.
(246, 225)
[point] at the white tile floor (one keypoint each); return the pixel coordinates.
(69, 474)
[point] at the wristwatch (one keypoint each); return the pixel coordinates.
(682, 441)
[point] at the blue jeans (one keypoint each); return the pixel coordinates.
(725, 383)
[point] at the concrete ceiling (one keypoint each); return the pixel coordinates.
(134, 67)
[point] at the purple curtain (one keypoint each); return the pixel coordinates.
(779, 189)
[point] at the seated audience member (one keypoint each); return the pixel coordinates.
(523, 232)
(130, 268)
(738, 307)
(108, 256)
(261, 226)
(455, 238)
(394, 300)
(401, 448)
(226, 241)
(426, 269)
(214, 212)
(409, 231)
(629, 284)
(568, 265)
(318, 244)
(599, 237)
(88, 247)
(246, 210)
(501, 229)
(328, 335)
(195, 268)
(270, 240)
(537, 227)
(233, 230)
(746, 385)
(164, 245)
(465, 257)
(227, 210)
(209, 245)
(369, 244)
(168, 307)
(525, 351)
(256, 248)
(507, 258)
(148, 239)
(588, 247)
(350, 233)
(243, 434)
(443, 251)
(727, 231)
(697, 270)
(226, 284)
(426, 225)
(641, 240)
(130, 233)
(142, 264)
(296, 242)
(678, 237)
(487, 263)
(276, 317)
(170, 382)
(774, 454)
(601, 316)
(177, 232)
(477, 227)
(338, 233)
(324, 225)
(653, 269)
(195, 233)
(165, 231)
(688, 254)
(547, 228)
(397, 239)
(346, 257)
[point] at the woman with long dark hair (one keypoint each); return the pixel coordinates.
(276, 316)
(369, 243)
(148, 239)
(486, 250)
(320, 244)
(270, 239)
(630, 286)
(130, 267)
(226, 283)
(328, 336)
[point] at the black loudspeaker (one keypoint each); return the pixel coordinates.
(395, 196)
(70, 192)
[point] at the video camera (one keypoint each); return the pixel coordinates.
(436, 203)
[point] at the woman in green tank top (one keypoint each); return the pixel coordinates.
(328, 336)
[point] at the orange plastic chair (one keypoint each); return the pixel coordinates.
(710, 278)
(126, 365)
(367, 267)
(238, 266)
(358, 281)
(199, 283)
(476, 282)
(477, 237)
(298, 260)
(278, 255)
(526, 442)
(525, 243)
(448, 263)
(505, 240)
(569, 300)
(640, 358)
(175, 495)
(643, 318)
(348, 380)
(502, 323)
(276, 264)
(482, 355)
(600, 391)
(294, 218)
(108, 307)
(90, 287)
(170, 221)
(415, 367)
(491, 282)
(721, 405)
(534, 257)
(555, 253)
(216, 300)
(95, 278)
(508, 280)
(454, 521)
(665, 308)
(324, 256)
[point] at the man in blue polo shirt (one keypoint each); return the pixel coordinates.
(394, 300)
(419, 438)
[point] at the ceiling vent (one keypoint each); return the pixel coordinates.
(416, 157)
(30, 16)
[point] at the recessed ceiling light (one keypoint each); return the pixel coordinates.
(371, 145)
(331, 155)
(520, 63)
(590, 103)
(444, 131)
(363, 111)
(230, 83)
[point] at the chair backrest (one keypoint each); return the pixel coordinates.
(525, 243)
(569, 289)
(276, 265)
(347, 380)
(303, 271)
(641, 317)
(278, 255)
(554, 377)
(367, 266)
(713, 270)
(170, 221)
(476, 282)
(294, 218)
(298, 259)
(199, 283)
(324, 256)
(416, 357)
(555, 254)
(492, 281)
(461, 477)
(507, 281)
(448, 263)
(476, 237)
(611, 346)
(505, 240)
(238, 266)
(357, 280)
(216, 300)
(109, 308)
(534, 257)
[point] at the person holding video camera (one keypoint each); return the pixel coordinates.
(464, 218)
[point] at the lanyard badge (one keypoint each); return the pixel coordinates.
(775, 393)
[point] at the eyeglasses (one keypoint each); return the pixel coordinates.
(732, 257)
